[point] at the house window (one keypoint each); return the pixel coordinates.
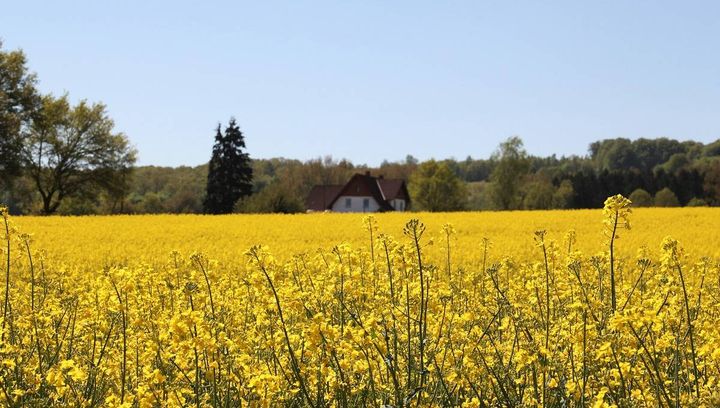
(401, 205)
(366, 204)
(348, 202)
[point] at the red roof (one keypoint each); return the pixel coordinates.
(394, 188)
(322, 197)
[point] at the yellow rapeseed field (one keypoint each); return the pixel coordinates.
(96, 241)
(613, 307)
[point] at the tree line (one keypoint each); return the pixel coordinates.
(510, 179)
(59, 157)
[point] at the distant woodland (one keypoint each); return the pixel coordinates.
(57, 157)
(652, 172)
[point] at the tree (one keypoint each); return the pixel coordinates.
(538, 194)
(676, 162)
(272, 199)
(434, 187)
(711, 182)
(478, 199)
(563, 196)
(641, 154)
(641, 198)
(229, 173)
(666, 198)
(512, 166)
(613, 154)
(697, 202)
(18, 101)
(73, 152)
(712, 149)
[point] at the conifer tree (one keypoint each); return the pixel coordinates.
(229, 172)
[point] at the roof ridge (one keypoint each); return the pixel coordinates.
(382, 193)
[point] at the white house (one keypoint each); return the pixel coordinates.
(363, 193)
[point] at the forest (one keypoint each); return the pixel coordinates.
(652, 172)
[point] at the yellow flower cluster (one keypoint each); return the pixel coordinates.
(453, 310)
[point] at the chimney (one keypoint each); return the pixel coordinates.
(367, 173)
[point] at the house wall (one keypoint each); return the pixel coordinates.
(356, 204)
(399, 204)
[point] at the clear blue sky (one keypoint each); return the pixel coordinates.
(373, 80)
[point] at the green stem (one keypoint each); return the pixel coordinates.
(7, 276)
(612, 262)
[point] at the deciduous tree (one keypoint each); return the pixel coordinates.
(641, 198)
(74, 151)
(666, 198)
(18, 102)
(538, 194)
(563, 196)
(507, 177)
(434, 187)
